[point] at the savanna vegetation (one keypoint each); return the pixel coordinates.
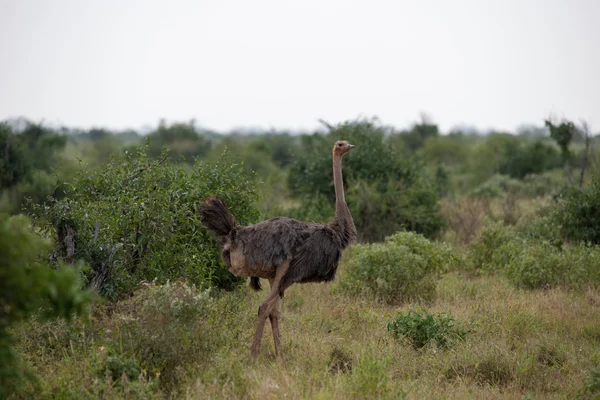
(476, 273)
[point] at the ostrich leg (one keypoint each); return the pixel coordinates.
(267, 307)
(274, 318)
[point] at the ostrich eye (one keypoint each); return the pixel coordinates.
(339, 145)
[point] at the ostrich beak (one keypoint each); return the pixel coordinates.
(351, 146)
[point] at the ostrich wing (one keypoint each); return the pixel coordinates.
(316, 259)
(268, 244)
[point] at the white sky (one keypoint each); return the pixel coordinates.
(284, 64)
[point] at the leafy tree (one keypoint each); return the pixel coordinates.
(506, 154)
(28, 159)
(43, 146)
(26, 285)
(386, 188)
(14, 165)
(563, 134)
(530, 158)
(182, 140)
(576, 212)
(419, 133)
(284, 148)
(21, 153)
(450, 151)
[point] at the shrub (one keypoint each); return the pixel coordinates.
(29, 160)
(406, 266)
(591, 388)
(420, 329)
(497, 186)
(312, 208)
(135, 219)
(537, 265)
(156, 341)
(576, 212)
(495, 247)
(506, 154)
(531, 261)
(117, 366)
(542, 226)
(381, 208)
(542, 265)
(184, 140)
(540, 184)
(165, 327)
(26, 284)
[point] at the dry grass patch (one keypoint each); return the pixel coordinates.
(537, 343)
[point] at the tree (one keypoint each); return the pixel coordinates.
(182, 140)
(576, 212)
(419, 133)
(388, 189)
(28, 159)
(586, 153)
(563, 135)
(14, 165)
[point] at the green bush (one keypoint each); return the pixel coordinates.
(576, 212)
(406, 266)
(117, 366)
(543, 226)
(420, 329)
(541, 184)
(184, 141)
(171, 329)
(591, 388)
(513, 156)
(135, 219)
(532, 258)
(316, 208)
(497, 186)
(538, 265)
(541, 265)
(379, 208)
(496, 245)
(30, 159)
(26, 285)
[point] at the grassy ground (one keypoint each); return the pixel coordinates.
(172, 341)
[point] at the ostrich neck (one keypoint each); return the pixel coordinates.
(342, 222)
(338, 183)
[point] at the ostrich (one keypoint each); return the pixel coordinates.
(283, 250)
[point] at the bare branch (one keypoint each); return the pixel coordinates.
(326, 124)
(584, 160)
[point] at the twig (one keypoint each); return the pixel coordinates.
(148, 166)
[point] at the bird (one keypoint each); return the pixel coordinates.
(283, 250)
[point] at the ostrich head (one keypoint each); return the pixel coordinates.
(341, 147)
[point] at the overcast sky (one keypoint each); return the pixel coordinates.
(284, 64)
